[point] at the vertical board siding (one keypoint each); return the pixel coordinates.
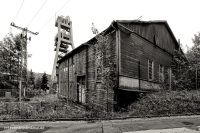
(84, 65)
(69, 69)
(91, 68)
(149, 30)
(135, 48)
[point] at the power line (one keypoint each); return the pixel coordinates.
(19, 10)
(53, 15)
(37, 13)
(63, 6)
(46, 23)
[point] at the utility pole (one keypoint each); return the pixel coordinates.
(23, 56)
(196, 86)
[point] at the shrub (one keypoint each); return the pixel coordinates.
(167, 103)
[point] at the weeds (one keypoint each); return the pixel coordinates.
(167, 103)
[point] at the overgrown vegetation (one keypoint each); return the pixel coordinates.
(47, 107)
(106, 74)
(166, 103)
(186, 68)
(184, 97)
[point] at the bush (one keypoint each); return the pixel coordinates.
(167, 103)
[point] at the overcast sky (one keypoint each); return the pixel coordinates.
(181, 15)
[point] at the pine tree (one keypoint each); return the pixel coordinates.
(44, 81)
(31, 80)
(38, 83)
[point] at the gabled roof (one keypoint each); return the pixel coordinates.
(151, 22)
(117, 25)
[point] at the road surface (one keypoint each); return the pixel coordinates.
(181, 124)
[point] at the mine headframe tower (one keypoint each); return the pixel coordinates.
(63, 39)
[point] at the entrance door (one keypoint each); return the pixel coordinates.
(81, 89)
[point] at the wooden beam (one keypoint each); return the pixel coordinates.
(117, 54)
(119, 51)
(170, 78)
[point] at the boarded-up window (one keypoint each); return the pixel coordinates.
(161, 73)
(150, 70)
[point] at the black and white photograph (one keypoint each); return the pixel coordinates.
(99, 66)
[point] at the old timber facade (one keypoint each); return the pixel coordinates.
(141, 52)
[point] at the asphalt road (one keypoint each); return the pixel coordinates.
(181, 124)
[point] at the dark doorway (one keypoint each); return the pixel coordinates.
(125, 98)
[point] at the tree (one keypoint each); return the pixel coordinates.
(10, 58)
(180, 69)
(38, 83)
(31, 80)
(186, 73)
(94, 29)
(44, 82)
(193, 56)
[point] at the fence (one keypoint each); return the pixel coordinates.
(14, 92)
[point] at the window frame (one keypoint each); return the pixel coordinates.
(152, 70)
(161, 73)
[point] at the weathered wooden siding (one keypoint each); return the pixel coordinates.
(63, 79)
(125, 52)
(91, 69)
(69, 69)
(84, 63)
(134, 49)
(162, 35)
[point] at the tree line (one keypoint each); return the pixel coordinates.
(186, 67)
(12, 53)
(39, 83)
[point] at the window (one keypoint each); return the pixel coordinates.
(81, 89)
(161, 73)
(150, 70)
(155, 39)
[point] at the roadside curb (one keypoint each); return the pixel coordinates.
(103, 119)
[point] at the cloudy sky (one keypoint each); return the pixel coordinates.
(39, 16)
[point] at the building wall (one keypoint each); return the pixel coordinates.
(101, 61)
(69, 69)
(133, 49)
(162, 35)
(122, 53)
(91, 61)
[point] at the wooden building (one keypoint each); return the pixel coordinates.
(138, 53)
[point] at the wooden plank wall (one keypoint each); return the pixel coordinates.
(149, 30)
(135, 48)
(91, 70)
(69, 69)
(83, 63)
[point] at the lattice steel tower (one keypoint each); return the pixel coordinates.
(63, 39)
